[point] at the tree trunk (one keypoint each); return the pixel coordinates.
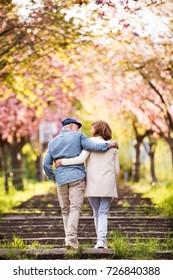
(38, 164)
(172, 157)
(152, 166)
(4, 154)
(16, 165)
(136, 162)
(171, 148)
(150, 149)
(139, 139)
(169, 140)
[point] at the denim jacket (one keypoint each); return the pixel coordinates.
(66, 145)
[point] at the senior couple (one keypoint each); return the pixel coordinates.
(68, 151)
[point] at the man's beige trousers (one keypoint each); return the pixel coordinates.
(71, 197)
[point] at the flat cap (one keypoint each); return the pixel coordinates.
(70, 120)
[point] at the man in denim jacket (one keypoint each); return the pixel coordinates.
(70, 180)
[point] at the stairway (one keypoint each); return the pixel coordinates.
(39, 220)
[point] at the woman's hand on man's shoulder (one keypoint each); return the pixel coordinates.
(113, 144)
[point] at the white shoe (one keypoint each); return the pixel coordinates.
(100, 244)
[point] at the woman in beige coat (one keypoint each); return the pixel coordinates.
(102, 176)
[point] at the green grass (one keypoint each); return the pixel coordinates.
(14, 198)
(16, 249)
(160, 193)
(121, 245)
(37, 245)
(17, 243)
(73, 254)
(140, 250)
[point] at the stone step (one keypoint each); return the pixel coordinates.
(40, 220)
(52, 198)
(53, 227)
(62, 253)
(88, 227)
(121, 198)
(4, 227)
(59, 241)
(87, 223)
(86, 205)
(128, 204)
(50, 217)
(143, 212)
(10, 235)
(112, 211)
(125, 214)
(59, 253)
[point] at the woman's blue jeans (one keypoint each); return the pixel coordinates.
(100, 206)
